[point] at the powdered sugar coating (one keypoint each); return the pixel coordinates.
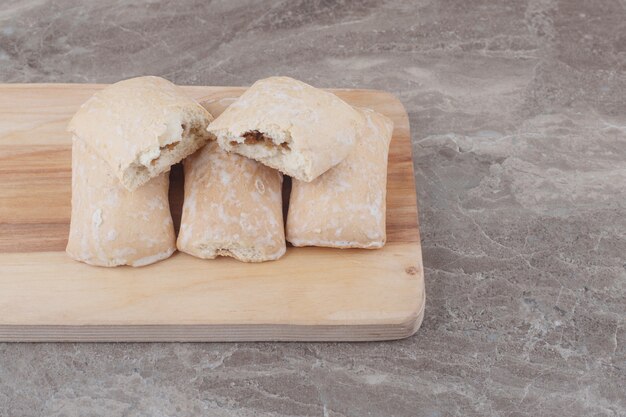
(112, 226)
(317, 127)
(345, 207)
(233, 207)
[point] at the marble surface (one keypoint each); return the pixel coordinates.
(518, 114)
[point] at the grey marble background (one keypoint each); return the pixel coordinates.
(518, 115)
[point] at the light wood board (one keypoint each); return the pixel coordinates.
(311, 294)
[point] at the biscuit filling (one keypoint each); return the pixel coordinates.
(170, 146)
(190, 134)
(164, 149)
(193, 132)
(254, 137)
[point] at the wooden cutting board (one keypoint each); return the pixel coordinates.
(311, 294)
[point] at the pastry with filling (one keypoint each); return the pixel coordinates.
(140, 127)
(112, 226)
(288, 125)
(345, 207)
(232, 207)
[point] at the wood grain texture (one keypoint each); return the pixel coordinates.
(310, 294)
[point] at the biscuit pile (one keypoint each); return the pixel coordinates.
(128, 135)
